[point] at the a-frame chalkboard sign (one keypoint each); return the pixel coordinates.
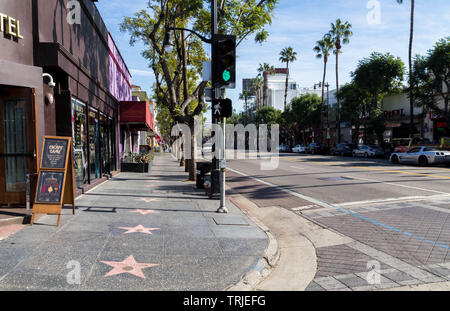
(55, 185)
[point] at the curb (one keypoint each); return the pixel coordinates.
(265, 265)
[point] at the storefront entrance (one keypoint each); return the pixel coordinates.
(17, 144)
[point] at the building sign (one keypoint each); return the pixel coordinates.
(10, 26)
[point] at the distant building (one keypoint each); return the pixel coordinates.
(276, 85)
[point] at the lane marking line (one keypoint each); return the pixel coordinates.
(399, 185)
(391, 200)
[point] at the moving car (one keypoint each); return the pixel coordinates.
(422, 156)
(343, 149)
(368, 151)
(299, 149)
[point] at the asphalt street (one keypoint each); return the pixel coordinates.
(397, 215)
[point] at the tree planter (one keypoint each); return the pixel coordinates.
(135, 167)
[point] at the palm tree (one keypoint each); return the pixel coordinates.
(257, 84)
(245, 96)
(323, 50)
(265, 70)
(340, 33)
(411, 39)
(287, 55)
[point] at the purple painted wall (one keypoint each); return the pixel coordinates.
(120, 81)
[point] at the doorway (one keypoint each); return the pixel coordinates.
(17, 147)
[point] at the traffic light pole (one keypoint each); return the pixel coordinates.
(217, 94)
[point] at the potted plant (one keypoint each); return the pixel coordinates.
(136, 163)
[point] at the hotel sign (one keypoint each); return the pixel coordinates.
(10, 26)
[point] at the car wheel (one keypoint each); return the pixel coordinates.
(394, 159)
(366, 155)
(423, 161)
(354, 155)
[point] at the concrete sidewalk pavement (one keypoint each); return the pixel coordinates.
(136, 232)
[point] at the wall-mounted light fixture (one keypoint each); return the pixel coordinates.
(48, 90)
(51, 83)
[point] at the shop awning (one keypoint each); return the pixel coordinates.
(137, 115)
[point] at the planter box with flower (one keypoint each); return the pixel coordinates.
(136, 163)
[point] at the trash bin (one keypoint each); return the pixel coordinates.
(207, 184)
(202, 169)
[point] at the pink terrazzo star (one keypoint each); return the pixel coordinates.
(147, 200)
(138, 229)
(145, 212)
(129, 265)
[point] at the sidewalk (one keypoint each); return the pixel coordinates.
(136, 232)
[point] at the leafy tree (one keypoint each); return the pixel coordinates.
(431, 77)
(354, 103)
(268, 115)
(304, 112)
(176, 58)
(340, 33)
(287, 55)
(378, 75)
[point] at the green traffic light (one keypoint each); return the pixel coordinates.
(226, 76)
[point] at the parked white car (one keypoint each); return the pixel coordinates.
(422, 156)
(299, 149)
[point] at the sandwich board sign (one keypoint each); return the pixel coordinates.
(55, 185)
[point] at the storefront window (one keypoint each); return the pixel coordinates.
(15, 131)
(94, 146)
(104, 144)
(112, 145)
(80, 142)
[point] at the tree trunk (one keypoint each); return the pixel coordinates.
(323, 96)
(287, 85)
(411, 95)
(337, 97)
(192, 162)
(265, 90)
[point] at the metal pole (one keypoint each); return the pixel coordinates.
(28, 191)
(223, 208)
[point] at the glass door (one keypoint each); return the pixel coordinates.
(16, 143)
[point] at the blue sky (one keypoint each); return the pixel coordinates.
(300, 23)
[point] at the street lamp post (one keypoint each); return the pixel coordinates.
(322, 110)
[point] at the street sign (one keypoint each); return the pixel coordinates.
(222, 108)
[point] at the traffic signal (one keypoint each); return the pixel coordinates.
(222, 108)
(224, 61)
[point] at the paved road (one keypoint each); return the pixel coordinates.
(396, 215)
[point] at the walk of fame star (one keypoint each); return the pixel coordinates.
(129, 265)
(145, 212)
(138, 229)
